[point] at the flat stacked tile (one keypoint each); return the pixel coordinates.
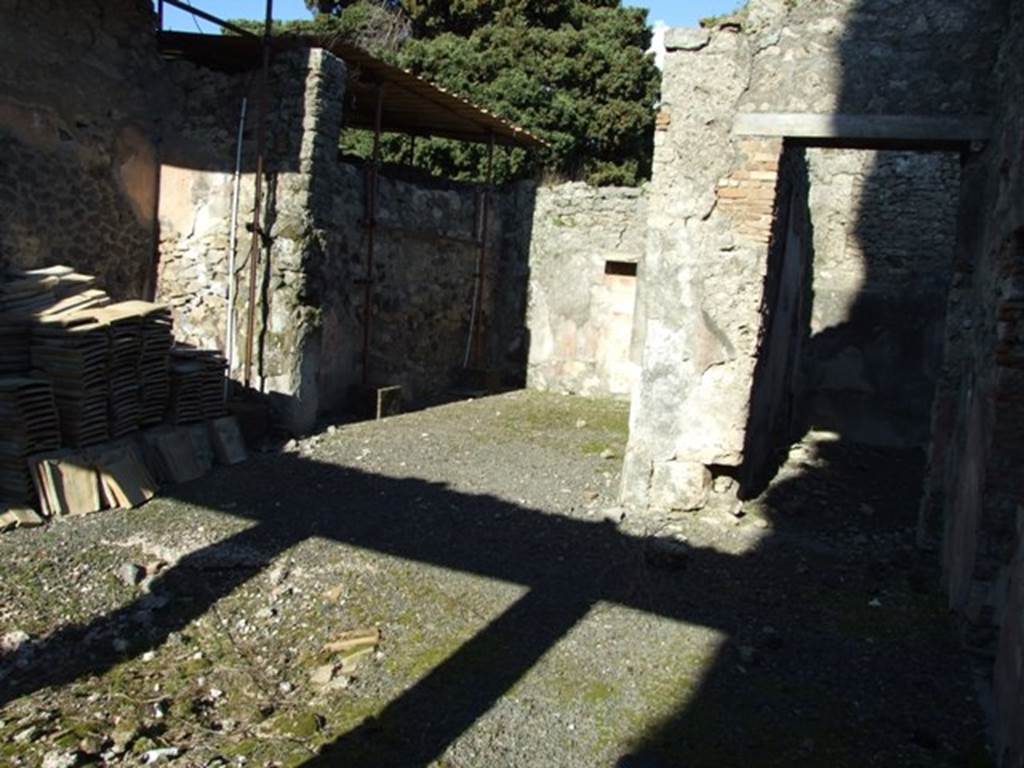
(28, 296)
(15, 348)
(154, 362)
(124, 328)
(187, 377)
(28, 425)
(71, 350)
(214, 378)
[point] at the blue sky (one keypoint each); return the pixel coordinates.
(675, 13)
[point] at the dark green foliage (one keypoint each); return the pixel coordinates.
(376, 26)
(573, 72)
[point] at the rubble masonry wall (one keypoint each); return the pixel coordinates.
(81, 90)
(304, 122)
(309, 329)
(884, 226)
(976, 499)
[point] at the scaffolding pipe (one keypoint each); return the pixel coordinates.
(257, 234)
(371, 226)
(473, 338)
(210, 17)
(233, 244)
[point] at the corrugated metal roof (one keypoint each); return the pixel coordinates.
(411, 104)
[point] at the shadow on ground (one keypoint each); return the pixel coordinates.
(813, 672)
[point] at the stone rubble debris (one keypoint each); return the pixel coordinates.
(131, 574)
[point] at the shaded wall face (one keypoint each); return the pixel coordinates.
(81, 95)
(785, 309)
(884, 235)
(976, 502)
(873, 56)
(587, 244)
(426, 250)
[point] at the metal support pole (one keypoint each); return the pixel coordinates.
(257, 234)
(229, 341)
(200, 13)
(474, 343)
(371, 226)
(160, 15)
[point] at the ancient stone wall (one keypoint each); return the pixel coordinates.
(587, 245)
(978, 419)
(426, 250)
(308, 340)
(871, 56)
(699, 307)
(81, 94)
(699, 317)
(884, 233)
(304, 123)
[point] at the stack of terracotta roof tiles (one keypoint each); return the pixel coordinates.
(197, 385)
(154, 378)
(28, 425)
(71, 350)
(79, 375)
(124, 328)
(15, 349)
(28, 296)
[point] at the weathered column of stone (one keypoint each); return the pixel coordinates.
(305, 98)
(299, 202)
(702, 278)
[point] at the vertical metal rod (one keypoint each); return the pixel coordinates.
(371, 227)
(160, 15)
(474, 343)
(257, 235)
(229, 342)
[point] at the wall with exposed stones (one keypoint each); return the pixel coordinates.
(976, 499)
(308, 339)
(884, 232)
(702, 289)
(587, 244)
(81, 92)
(303, 127)
(426, 250)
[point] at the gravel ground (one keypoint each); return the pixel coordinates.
(519, 625)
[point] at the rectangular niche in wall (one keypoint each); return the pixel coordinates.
(620, 268)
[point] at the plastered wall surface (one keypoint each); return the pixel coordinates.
(581, 295)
